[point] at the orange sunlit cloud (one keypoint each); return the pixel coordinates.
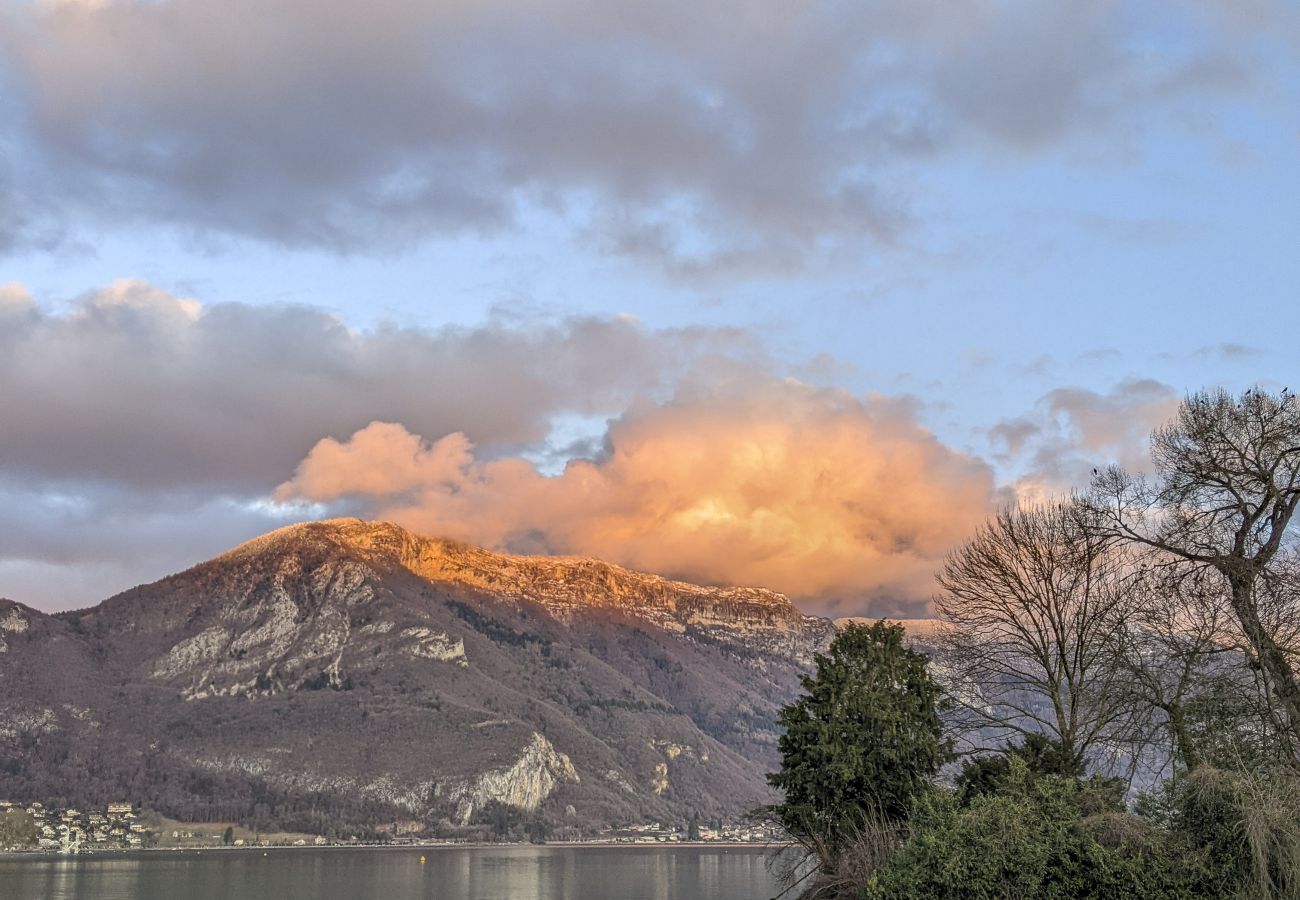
(816, 493)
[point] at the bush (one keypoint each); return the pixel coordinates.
(1030, 840)
(1041, 755)
(1239, 832)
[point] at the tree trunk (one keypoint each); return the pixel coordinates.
(1183, 745)
(1271, 658)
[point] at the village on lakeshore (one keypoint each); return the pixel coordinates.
(36, 827)
(74, 831)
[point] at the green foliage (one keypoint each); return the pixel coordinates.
(17, 830)
(863, 742)
(1041, 755)
(228, 837)
(1211, 834)
(1229, 735)
(982, 777)
(1046, 756)
(1238, 832)
(1030, 840)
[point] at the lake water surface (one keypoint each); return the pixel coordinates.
(460, 873)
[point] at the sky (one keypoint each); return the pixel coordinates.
(785, 294)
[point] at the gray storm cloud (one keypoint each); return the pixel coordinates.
(141, 432)
(725, 136)
(135, 386)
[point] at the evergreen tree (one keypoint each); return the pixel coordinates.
(865, 739)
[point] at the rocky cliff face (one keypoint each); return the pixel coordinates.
(12, 621)
(524, 784)
(360, 670)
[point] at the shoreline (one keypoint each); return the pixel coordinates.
(20, 855)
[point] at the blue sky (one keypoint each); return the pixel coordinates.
(1020, 233)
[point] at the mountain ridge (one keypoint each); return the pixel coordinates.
(464, 563)
(359, 669)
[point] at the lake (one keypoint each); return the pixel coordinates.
(448, 873)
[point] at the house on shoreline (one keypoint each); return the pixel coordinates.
(73, 831)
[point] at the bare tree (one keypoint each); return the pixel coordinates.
(1177, 647)
(1037, 603)
(1226, 487)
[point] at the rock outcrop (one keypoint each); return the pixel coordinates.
(524, 784)
(13, 622)
(751, 619)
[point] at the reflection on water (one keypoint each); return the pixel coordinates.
(508, 873)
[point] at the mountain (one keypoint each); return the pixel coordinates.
(347, 675)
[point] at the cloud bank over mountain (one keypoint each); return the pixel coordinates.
(145, 431)
(141, 430)
(827, 497)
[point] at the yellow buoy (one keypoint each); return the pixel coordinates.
(421, 860)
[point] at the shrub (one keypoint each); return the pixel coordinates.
(1239, 832)
(1041, 755)
(1030, 840)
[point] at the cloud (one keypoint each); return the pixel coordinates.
(1227, 351)
(840, 501)
(1073, 430)
(141, 431)
(15, 302)
(72, 544)
(723, 138)
(135, 386)
(1099, 355)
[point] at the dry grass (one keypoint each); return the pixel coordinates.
(820, 872)
(211, 834)
(1120, 831)
(1262, 811)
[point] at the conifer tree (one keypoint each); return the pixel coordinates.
(863, 741)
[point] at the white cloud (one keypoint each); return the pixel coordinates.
(1074, 430)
